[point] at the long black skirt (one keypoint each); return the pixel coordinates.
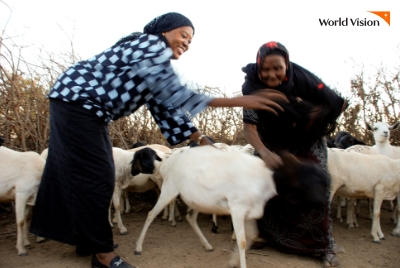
(78, 181)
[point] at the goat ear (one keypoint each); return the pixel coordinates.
(394, 126)
(368, 126)
(158, 158)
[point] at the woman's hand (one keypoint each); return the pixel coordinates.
(272, 160)
(271, 94)
(200, 138)
(261, 100)
(265, 99)
(205, 141)
(260, 103)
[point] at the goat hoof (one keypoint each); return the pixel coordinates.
(124, 233)
(377, 242)
(382, 238)
(23, 254)
(396, 234)
(138, 252)
(214, 229)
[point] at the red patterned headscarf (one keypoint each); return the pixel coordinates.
(270, 48)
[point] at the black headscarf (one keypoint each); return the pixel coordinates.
(160, 24)
(311, 113)
(253, 79)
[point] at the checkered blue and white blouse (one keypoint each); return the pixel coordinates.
(116, 82)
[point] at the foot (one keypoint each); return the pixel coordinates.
(330, 260)
(116, 262)
(338, 249)
(105, 258)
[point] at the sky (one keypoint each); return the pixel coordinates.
(227, 33)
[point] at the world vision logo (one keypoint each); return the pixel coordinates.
(385, 15)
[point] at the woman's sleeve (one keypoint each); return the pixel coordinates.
(319, 93)
(175, 129)
(155, 69)
(250, 116)
(171, 104)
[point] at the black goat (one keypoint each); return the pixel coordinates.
(138, 144)
(344, 140)
(303, 179)
(330, 142)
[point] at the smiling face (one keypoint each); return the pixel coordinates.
(179, 40)
(272, 71)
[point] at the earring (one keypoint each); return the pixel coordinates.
(163, 34)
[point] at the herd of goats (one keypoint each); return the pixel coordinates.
(216, 186)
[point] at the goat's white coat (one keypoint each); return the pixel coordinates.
(351, 216)
(356, 175)
(213, 181)
(20, 176)
(381, 133)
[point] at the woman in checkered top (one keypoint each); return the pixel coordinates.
(78, 180)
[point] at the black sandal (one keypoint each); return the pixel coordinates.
(117, 262)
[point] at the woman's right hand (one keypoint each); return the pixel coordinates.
(271, 94)
(271, 159)
(266, 99)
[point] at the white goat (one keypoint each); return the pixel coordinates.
(144, 184)
(139, 183)
(381, 133)
(249, 149)
(44, 153)
(351, 215)
(20, 176)
(212, 181)
(356, 175)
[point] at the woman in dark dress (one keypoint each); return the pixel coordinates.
(289, 223)
(78, 179)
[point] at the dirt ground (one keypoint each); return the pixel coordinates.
(178, 247)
